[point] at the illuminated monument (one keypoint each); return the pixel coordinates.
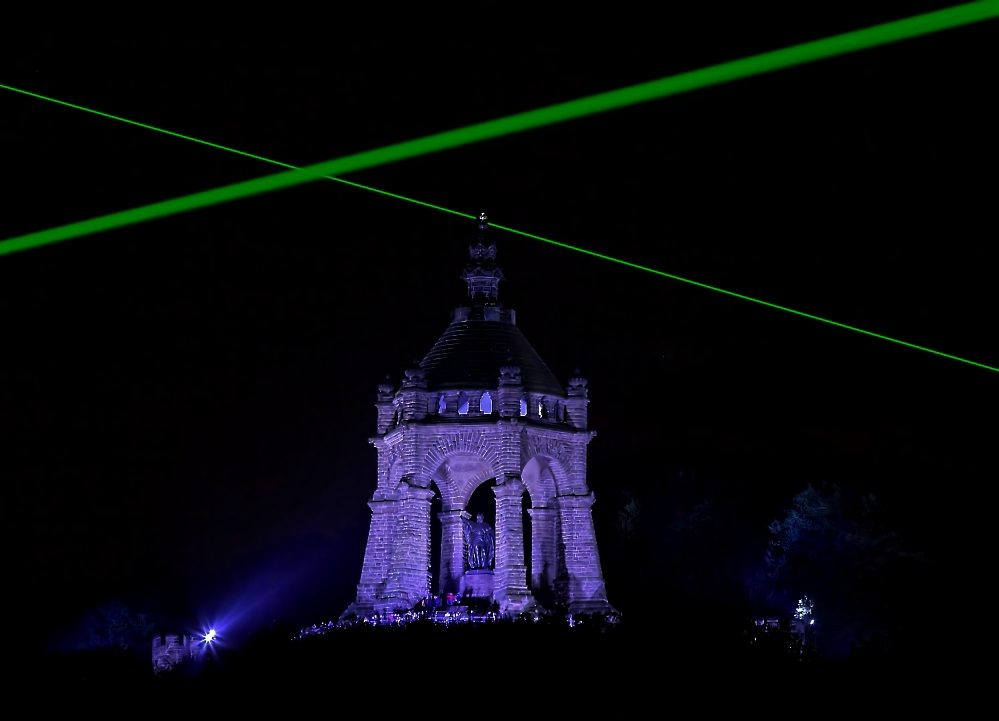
(482, 406)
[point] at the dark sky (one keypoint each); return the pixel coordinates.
(186, 404)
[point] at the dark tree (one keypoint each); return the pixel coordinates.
(833, 545)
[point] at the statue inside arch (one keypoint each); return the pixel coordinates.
(481, 543)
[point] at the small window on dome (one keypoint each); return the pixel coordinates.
(523, 406)
(463, 405)
(541, 409)
(441, 405)
(486, 403)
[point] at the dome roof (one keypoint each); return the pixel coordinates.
(471, 351)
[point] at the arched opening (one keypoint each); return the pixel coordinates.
(441, 405)
(463, 404)
(486, 404)
(544, 566)
(465, 486)
(436, 506)
(523, 406)
(483, 501)
(525, 508)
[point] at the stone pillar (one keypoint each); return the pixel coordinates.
(414, 396)
(452, 551)
(586, 592)
(575, 405)
(474, 399)
(409, 572)
(511, 571)
(509, 392)
(386, 407)
(543, 563)
(377, 557)
(451, 402)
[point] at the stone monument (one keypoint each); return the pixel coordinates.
(477, 581)
(169, 650)
(482, 406)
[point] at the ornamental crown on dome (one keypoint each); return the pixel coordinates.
(483, 273)
(481, 252)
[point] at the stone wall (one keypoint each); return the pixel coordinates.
(564, 556)
(172, 649)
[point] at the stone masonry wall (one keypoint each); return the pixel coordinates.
(510, 584)
(582, 560)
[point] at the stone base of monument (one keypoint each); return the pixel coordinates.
(477, 583)
(590, 597)
(595, 606)
(520, 603)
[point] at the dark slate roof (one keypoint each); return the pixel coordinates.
(469, 355)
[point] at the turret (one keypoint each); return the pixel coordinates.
(414, 395)
(575, 406)
(386, 407)
(510, 392)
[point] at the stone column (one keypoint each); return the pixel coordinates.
(452, 550)
(509, 392)
(386, 407)
(451, 402)
(510, 584)
(377, 557)
(586, 592)
(543, 564)
(414, 401)
(575, 406)
(409, 571)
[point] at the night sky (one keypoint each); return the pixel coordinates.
(185, 404)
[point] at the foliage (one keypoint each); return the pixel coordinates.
(833, 545)
(113, 625)
(681, 536)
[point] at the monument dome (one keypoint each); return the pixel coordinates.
(483, 336)
(473, 348)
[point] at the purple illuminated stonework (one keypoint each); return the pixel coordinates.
(172, 649)
(482, 406)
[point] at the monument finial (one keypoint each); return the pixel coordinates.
(483, 274)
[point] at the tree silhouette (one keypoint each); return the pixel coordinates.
(832, 544)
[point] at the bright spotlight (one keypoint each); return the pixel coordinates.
(210, 636)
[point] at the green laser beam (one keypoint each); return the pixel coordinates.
(545, 240)
(519, 232)
(221, 147)
(602, 102)
(743, 297)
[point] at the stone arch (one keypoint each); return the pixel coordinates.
(541, 477)
(458, 462)
(552, 451)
